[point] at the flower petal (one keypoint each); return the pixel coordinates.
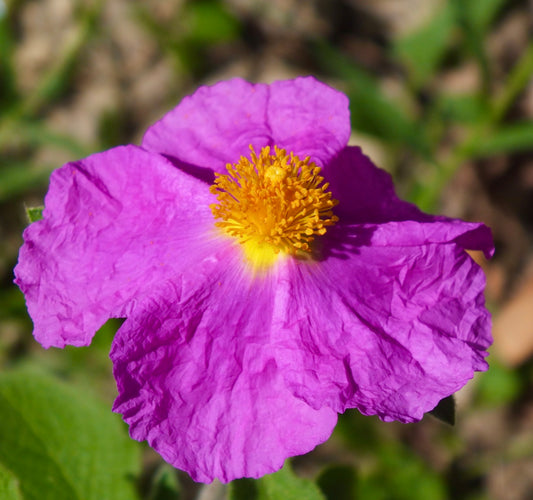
(368, 201)
(197, 379)
(308, 118)
(410, 233)
(387, 330)
(115, 224)
(217, 124)
(366, 193)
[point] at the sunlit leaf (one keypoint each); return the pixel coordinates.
(60, 443)
(9, 485)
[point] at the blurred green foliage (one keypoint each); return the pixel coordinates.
(459, 28)
(386, 467)
(499, 386)
(188, 34)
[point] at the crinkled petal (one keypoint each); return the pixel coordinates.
(368, 201)
(366, 193)
(308, 118)
(115, 224)
(217, 124)
(197, 378)
(387, 330)
(410, 233)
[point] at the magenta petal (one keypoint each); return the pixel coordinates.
(115, 224)
(217, 124)
(197, 379)
(214, 126)
(366, 193)
(387, 330)
(367, 200)
(410, 233)
(308, 118)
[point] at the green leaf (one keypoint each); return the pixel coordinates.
(338, 482)
(34, 213)
(9, 485)
(445, 410)
(60, 443)
(285, 485)
(507, 139)
(423, 50)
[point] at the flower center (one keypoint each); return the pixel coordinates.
(272, 204)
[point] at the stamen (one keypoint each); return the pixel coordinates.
(272, 204)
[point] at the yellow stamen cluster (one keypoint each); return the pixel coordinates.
(273, 201)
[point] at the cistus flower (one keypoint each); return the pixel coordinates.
(269, 276)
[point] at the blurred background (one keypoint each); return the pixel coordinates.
(441, 96)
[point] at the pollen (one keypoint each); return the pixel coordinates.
(273, 203)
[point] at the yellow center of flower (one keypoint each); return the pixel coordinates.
(273, 203)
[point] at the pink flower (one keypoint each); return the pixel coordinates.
(262, 305)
